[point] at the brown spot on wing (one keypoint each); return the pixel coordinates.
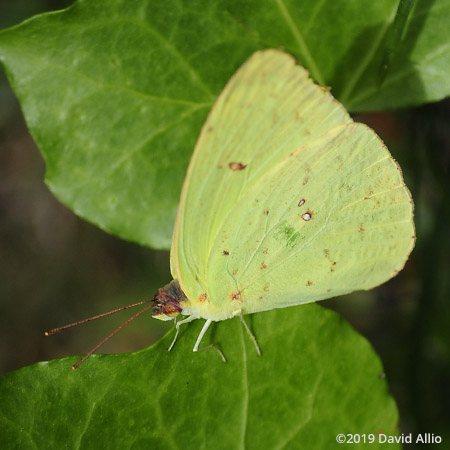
(309, 283)
(202, 298)
(266, 287)
(235, 295)
(369, 194)
(263, 265)
(225, 253)
(235, 166)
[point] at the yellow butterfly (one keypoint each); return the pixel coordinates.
(286, 201)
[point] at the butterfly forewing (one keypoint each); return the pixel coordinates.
(268, 109)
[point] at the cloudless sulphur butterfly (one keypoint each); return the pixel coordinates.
(286, 201)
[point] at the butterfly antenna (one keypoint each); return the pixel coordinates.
(70, 325)
(107, 338)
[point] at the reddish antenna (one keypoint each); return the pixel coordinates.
(107, 338)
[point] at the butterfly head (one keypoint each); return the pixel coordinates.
(168, 301)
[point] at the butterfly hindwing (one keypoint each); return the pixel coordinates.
(331, 218)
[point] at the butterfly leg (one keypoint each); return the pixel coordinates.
(252, 336)
(217, 349)
(202, 333)
(177, 326)
(199, 340)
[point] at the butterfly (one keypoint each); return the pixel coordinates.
(286, 201)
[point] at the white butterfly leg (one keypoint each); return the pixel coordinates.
(177, 326)
(199, 340)
(202, 333)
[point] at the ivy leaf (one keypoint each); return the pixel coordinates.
(328, 381)
(115, 92)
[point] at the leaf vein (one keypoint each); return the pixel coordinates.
(302, 47)
(296, 430)
(149, 139)
(245, 388)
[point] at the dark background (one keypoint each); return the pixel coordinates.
(56, 268)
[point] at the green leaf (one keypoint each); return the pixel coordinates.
(328, 381)
(115, 92)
